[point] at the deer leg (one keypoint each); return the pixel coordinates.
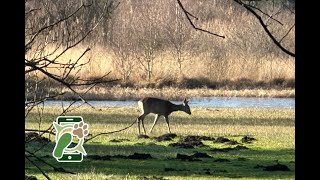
(155, 121)
(167, 120)
(140, 119)
(144, 130)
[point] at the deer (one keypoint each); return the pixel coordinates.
(159, 107)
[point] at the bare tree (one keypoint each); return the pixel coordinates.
(125, 59)
(52, 29)
(123, 43)
(149, 43)
(179, 36)
(147, 57)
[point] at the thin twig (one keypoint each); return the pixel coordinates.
(31, 10)
(287, 33)
(38, 130)
(54, 168)
(269, 16)
(53, 24)
(265, 28)
(192, 24)
(42, 172)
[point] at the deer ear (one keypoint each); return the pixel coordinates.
(185, 101)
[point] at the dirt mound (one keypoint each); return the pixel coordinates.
(120, 156)
(139, 156)
(225, 140)
(133, 156)
(192, 157)
(172, 169)
(276, 167)
(200, 155)
(166, 137)
(198, 138)
(118, 140)
(239, 147)
(30, 177)
(186, 157)
(30, 135)
(221, 160)
(247, 139)
(97, 157)
(152, 178)
(243, 159)
(188, 142)
(181, 145)
(33, 136)
(142, 136)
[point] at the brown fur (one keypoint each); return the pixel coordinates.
(159, 107)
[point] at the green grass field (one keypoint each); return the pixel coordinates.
(273, 129)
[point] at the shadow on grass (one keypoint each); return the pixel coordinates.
(118, 118)
(128, 119)
(244, 163)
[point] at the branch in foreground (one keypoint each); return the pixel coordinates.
(265, 28)
(43, 173)
(33, 103)
(53, 24)
(188, 14)
(61, 80)
(44, 131)
(43, 161)
(264, 13)
(287, 33)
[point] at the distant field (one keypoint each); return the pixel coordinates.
(273, 129)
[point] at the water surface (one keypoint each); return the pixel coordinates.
(203, 102)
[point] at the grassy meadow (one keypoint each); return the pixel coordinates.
(151, 49)
(273, 129)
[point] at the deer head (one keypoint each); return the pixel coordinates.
(186, 106)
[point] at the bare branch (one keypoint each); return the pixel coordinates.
(144, 66)
(43, 173)
(31, 10)
(43, 161)
(94, 82)
(87, 33)
(192, 24)
(37, 130)
(76, 62)
(264, 13)
(41, 63)
(33, 103)
(265, 28)
(287, 33)
(53, 24)
(60, 80)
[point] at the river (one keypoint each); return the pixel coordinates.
(204, 102)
